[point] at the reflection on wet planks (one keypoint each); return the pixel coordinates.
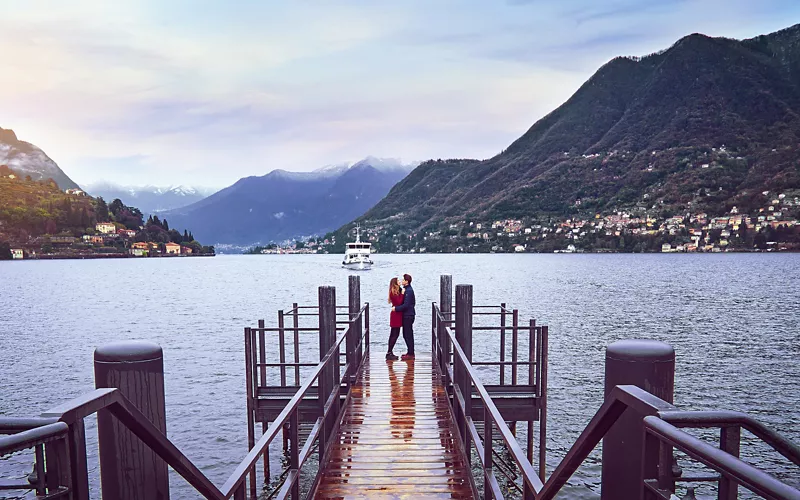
(397, 439)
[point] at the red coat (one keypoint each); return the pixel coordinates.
(396, 318)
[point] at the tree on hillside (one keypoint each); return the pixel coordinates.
(5, 249)
(116, 207)
(101, 210)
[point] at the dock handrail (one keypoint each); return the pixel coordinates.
(114, 401)
(491, 416)
(49, 440)
(60, 423)
(730, 467)
(662, 426)
(725, 418)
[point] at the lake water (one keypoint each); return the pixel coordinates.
(734, 320)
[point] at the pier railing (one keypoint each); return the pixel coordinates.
(330, 381)
(452, 352)
(59, 444)
(451, 336)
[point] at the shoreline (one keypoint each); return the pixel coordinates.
(105, 256)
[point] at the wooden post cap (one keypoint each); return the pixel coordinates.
(128, 351)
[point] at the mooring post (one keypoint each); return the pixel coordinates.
(353, 350)
(129, 469)
(327, 336)
(464, 338)
(650, 365)
(445, 307)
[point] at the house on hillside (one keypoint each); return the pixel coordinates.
(92, 238)
(75, 192)
(127, 233)
(106, 227)
(172, 249)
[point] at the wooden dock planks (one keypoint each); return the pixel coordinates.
(397, 439)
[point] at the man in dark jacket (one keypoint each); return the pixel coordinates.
(409, 314)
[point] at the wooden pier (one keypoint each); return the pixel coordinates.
(439, 426)
(397, 438)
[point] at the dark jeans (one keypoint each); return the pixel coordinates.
(408, 333)
(393, 336)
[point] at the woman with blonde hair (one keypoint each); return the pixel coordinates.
(395, 318)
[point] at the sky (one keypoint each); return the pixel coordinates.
(202, 93)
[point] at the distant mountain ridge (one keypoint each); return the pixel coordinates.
(149, 199)
(27, 159)
(283, 205)
(705, 125)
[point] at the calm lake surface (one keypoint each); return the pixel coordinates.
(734, 320)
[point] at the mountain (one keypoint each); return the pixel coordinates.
(704, 125)
(150, 199)
(26, 159)
(283, 205)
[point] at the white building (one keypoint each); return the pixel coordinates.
(106, 227)
(17, 253)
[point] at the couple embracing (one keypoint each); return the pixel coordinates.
(401, 296)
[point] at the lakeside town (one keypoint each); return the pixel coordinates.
(40, 221)
(773, 227)
(108, 240)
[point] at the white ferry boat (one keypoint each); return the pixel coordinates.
(357, 254)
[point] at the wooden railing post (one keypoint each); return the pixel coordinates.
(543, 347)
(327, 336)
(282, 346)
(282, 360)
(729, 441)
(294, 454)
(249, 350)
(502, 343)
(514, 345)
(533, 335)
(352, 348)
(514, 356)
(366, 325)
(464, 338)
(434, 336)
(487, 452)
(296, 324)
(261, 357)
(445, 307)
(77, 454)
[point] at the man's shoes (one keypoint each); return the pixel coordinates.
(391, 357)
(406, 357)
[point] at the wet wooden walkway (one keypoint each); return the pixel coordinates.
(397, 439)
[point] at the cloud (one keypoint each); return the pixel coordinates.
(217, 91)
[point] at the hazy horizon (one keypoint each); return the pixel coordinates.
(202, 94)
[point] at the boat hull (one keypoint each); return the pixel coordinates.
(360, 264)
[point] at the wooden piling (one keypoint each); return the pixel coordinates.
(446, 307)
(464, 338)
(129, 469)
(327, 336)
(352, 348)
